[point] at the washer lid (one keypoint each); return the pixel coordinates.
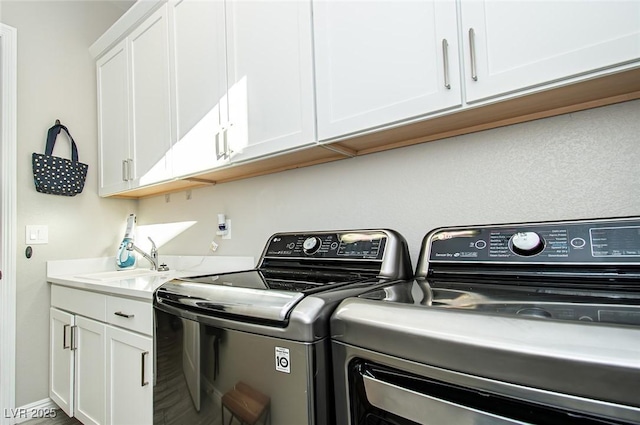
(246, 294)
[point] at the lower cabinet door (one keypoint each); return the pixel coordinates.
(61, 360)
(90, 380)
(130, 377)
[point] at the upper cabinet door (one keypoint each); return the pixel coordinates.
(113, 119)
(380, 62)
(514, 45)
(199, 67)
(270, 69)
(149, 45)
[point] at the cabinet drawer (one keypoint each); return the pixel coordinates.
(77, 301)
(130, 314)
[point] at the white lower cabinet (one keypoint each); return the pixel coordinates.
(78, 360)
(61, 360)
(129, 377)
(90, 361)
(101, 373)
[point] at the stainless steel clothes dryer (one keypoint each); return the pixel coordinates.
(532, 323)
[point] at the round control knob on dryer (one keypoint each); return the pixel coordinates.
(311, 245)
(527, 243)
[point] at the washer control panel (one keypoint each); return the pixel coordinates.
(358, 245)
(589, 241)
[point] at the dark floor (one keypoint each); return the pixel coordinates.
(60, 419)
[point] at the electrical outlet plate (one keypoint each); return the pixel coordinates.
(228, 234)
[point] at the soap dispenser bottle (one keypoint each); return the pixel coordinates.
(126, 258)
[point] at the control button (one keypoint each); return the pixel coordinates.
(526, 243)
(291, 245)
(334, 245)
(481, 244)
(534, 312)
(586, 319)
(578, 242)
(311, 245)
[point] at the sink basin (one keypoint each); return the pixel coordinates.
(121, 274)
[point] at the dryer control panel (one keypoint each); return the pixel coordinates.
(612, 241)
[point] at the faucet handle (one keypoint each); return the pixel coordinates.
(154, 249)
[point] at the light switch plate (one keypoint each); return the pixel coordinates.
(36, 234)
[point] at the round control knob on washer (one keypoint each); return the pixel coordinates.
(527, 243)
(311, 245)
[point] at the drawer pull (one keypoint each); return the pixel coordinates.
(142, 381)
(121, 314)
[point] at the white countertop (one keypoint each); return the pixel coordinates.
(83, 273)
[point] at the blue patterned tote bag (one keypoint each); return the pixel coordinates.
(55, 175)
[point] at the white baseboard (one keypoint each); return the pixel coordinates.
(36, 410)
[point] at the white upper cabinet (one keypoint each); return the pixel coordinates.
(190, 87)
(270, 70)
(243, 73)
(134, 110)
(515, 45)
(200, 84)
(380, 62)
(149, 45)
(113, 119)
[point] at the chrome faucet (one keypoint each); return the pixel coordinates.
(152, 257)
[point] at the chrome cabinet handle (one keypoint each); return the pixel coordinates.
(125, 168)
(226, 143)
(143, 358)
(126, 315)
(130, 169)
(227, 148)
(445, 56)
(218, 150)
(73, 338)
(472, 49)
(64, 337)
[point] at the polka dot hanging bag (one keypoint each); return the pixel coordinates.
(55, 175)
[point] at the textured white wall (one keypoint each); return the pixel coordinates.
(56, 80)
(578, 165)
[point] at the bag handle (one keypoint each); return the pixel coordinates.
(51, 140)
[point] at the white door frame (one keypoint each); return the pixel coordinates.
(8, 223)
